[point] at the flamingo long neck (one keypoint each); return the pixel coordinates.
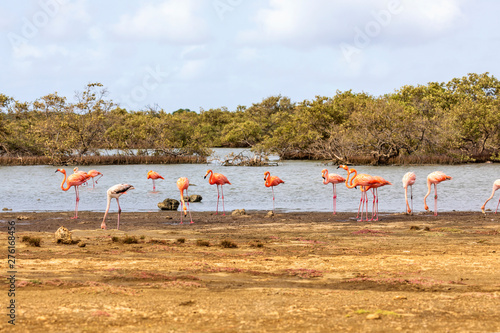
(64, 179)
(349, 171)
(211, 179)
(268, 179)
(183, 203)
(428, 192)
(325, 178)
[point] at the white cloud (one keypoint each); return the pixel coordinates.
(171, 20)
(301, 23)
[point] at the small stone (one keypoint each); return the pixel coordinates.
(195, 198)
(398, 297)
(6, 209)
(169, 204)
(373, 316)
(63, 235)
(82, 244)
(22, 217)
(414, 227)
(239, 212)
(270, 214)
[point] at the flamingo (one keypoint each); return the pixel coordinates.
(75, 180)
(378, 182)
(94, 173)
(408, 180)
(496, 186)
(435, 178)
(81, 173)
(333, 179)
(218, 179)
(154, 175)
(272, 181)
(115, 191)
(183, 184)
(363, 180)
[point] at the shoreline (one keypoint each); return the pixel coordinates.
(50, 221)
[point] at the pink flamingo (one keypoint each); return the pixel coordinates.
(75, 180)
(334, 179)
(218, 179)
(92, 174)
(378, 182)
(154, 175)
(496, 186)
(81, 173)
(115, 191)
(435, 178)
(183, 184)
(363, 180)
(408, 180)
(272, 181)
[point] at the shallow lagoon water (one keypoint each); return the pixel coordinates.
(37, 188)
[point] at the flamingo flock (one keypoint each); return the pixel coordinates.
(366, 183)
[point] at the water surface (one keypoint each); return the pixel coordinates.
(37, 188)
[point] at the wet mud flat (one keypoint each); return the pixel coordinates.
(294, 272)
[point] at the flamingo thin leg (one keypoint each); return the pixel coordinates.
(217, 207)
(360, 205)
(189, 210)
(435, 200)
(411, 197)
(497, 206)
(119, 212)
(334, 199)
(76, 204)
(223, 209)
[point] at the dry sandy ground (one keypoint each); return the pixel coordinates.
(294, 272)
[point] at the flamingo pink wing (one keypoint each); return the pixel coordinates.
(335, 179)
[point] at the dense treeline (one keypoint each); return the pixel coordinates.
(453, 122)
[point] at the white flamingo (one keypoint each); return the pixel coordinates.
(115, 192)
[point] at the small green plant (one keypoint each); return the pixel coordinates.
(201, 242)
(181, 240)
(32, 241)
(115, 239)
(228, 244)
(36, 281)
(142, 237)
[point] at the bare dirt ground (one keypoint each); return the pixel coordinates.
(294, 272)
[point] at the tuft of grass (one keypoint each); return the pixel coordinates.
(158, 241)
(388, 313)
(256, 243)
(32, 241)
(200, 242)
(228, 244)
(130, 240)
(181, 240)
(125, 240)
(142, 237)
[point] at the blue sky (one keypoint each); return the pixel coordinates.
(224, 53)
